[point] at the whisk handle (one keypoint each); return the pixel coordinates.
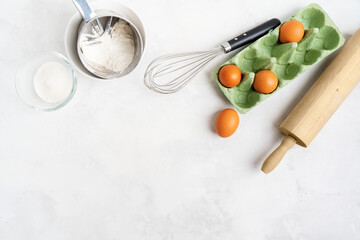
(251, 35)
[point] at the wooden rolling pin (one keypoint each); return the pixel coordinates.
(320, 102)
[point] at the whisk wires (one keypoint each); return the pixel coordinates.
(170, 73)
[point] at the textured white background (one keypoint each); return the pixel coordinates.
(122, 162)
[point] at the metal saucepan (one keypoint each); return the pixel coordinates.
(95, 21)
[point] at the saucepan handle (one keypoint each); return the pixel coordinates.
(88, 15)
(85, 10)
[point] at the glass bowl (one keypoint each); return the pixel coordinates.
(24, 82)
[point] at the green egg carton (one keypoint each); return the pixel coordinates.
(287, 61)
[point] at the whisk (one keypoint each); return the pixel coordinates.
(170, 73)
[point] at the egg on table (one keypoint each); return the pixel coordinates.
(227, 122)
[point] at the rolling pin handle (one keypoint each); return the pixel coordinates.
(275, 157)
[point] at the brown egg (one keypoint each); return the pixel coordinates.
(291, 31)
(229, 76)
(227, 122)
(265, 81)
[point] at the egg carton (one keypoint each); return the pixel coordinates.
(287, 60)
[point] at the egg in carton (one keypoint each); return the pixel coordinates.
(286, 60)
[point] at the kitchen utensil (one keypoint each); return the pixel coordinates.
(92, 29)
(24, 81)
(72, 29)
(320, 102)
(170, 73)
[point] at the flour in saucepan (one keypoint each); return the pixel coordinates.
(113, 52)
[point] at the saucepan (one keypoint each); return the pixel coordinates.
(94, 20)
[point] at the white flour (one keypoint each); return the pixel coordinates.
(53, 82)
(114, 51)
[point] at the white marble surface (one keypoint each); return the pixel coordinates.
(122, 162)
